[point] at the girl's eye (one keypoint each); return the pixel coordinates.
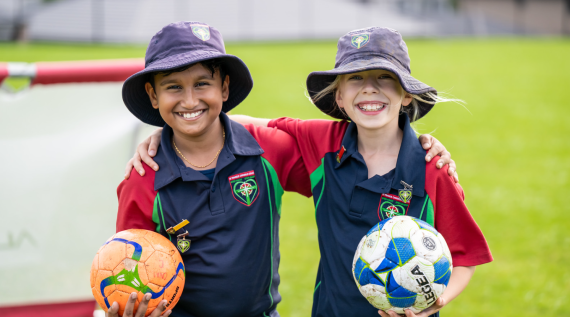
(385, 77)
(355, 77)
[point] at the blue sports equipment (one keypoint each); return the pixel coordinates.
(402, 263)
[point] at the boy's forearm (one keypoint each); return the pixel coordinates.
(459, 279)
(243, 119)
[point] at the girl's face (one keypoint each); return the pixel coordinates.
(372, 99)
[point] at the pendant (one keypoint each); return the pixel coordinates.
(406, 193)
(183, 244)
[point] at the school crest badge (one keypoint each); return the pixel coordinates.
(360, 40)
(391, 205)
(244, 187)
(201, 31)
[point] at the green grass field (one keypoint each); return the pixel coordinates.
(512, 148)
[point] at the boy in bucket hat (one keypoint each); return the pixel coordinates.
(357, 178)
(225, 179)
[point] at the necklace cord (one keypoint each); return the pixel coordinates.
(215, 157)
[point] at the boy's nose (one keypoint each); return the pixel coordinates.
(189, 100)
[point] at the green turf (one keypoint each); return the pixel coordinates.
(512, 149)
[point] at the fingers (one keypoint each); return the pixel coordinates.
(113, 310)
(159, 309)
(437, 306)
(383, 314)
(425, 140)
(154, 142)
(130, 306)
(456, 177)
(143, 151)
(128, 168)
(137, 164)
(409, 313)
(141, 310)
(438, 149)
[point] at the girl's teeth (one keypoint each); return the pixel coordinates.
(371, 107)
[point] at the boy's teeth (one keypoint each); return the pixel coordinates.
(191, 115)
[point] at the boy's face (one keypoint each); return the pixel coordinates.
(371, 99)
(191, 100)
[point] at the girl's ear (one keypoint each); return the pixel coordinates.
(151, 95)
(407, 99)
(226, 88)
(338, 98)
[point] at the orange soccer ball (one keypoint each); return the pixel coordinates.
(139, 261)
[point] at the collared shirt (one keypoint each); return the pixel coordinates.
(232, 263)
(348, 204)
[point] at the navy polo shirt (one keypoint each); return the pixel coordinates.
(348, 204)
(232, 263)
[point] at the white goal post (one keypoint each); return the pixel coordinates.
(64, 142)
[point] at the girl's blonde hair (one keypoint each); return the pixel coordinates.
(413, 109)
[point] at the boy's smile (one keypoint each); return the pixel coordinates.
(189, 101)
(371, 98)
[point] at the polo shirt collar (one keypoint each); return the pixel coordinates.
(410, 166)
(238, 142)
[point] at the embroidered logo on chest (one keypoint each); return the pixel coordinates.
(391, 205)
(244, 187)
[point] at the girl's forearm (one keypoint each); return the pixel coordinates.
(459, 279)
(243, 119)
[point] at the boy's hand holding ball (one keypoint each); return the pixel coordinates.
(129, 308)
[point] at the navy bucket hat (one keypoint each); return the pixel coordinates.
(180, 44)
(368, 49)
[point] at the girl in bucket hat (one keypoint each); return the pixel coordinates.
(356, 166)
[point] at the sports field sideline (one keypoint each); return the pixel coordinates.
(512, 147)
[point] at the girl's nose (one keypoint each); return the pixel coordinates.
(370, 86)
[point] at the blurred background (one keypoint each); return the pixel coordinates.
(63, 146)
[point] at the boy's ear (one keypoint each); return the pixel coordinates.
(407, 100)
(226, 88)
(151, 95)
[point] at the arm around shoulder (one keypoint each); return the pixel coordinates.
(453, 220)
(136, 200)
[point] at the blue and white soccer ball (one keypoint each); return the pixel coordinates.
(402, 263)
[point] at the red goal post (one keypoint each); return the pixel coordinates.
(73, 71)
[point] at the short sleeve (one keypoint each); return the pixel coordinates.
(136, 199)
(453, 220)
(314, 138)
(282, 152)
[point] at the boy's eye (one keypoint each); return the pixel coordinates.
(174, 87)
(202, 83)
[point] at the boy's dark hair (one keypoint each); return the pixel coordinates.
(211, 64)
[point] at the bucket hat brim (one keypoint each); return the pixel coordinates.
(317, 81)
(137, 101)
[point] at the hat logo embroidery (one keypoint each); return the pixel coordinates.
(201, 31)
(360, 40)
(244, 187)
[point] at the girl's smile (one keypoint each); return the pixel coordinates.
(371, 108)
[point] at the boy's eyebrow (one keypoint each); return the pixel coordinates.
(167, 81)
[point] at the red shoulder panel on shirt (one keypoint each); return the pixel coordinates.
(283, 154)
(453, 220)
(315, 138)
(136, 199)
